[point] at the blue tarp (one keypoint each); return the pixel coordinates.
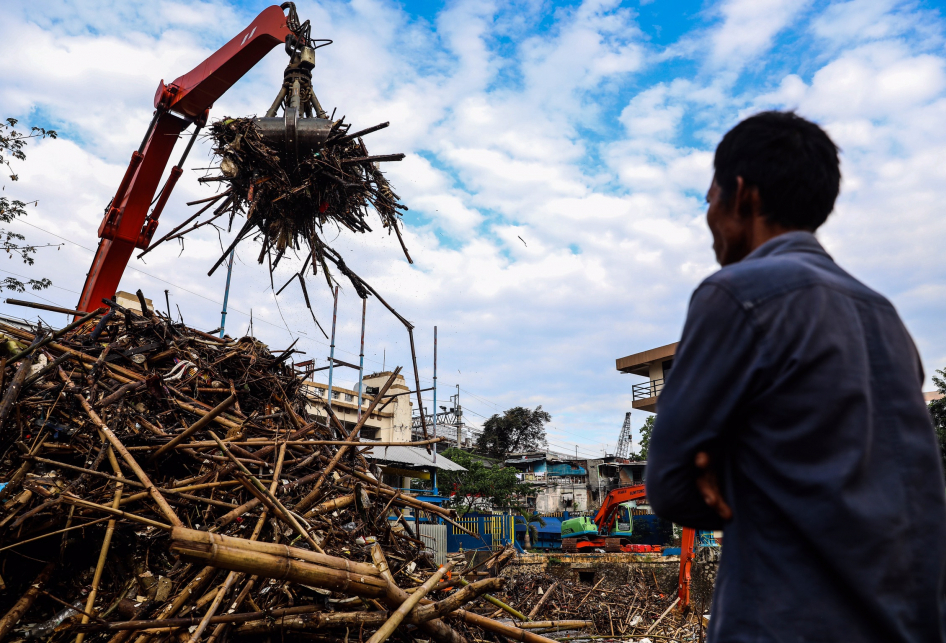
(549, 536)
(648, 530)
(565, 469)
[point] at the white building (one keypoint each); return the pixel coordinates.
(391, 419)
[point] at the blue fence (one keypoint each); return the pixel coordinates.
(491, 532)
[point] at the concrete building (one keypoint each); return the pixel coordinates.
(654, 364)
(391, 419)
(605, 474)
(130, 301)
(562, 480)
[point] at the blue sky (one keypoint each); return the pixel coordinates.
(585, 128)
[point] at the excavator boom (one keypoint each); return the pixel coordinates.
(604, 517)
(127, 224)
(582, 533)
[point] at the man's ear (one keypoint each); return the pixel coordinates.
(748, 202)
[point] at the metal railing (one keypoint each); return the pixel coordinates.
(647, 389)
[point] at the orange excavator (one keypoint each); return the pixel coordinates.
(611, 529)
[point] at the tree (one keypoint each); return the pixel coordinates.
(496, 485)
(646, 431)
(518, 429)
(12, 144)
(938, 413)
(530, 516)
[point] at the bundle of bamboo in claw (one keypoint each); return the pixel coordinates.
(288, 203)
(158, 483)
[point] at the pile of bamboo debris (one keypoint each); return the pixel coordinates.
(162, 484)
(627, 602)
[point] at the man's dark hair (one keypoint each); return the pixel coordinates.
(790, 160)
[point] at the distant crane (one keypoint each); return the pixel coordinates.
(625, 442)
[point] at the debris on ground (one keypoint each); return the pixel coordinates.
(623, 602)
(158, 483)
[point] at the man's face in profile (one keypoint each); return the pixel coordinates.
(731, 232)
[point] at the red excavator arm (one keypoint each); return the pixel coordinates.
(127, 224)
(604, 517)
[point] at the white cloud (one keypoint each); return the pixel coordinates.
(749, 27)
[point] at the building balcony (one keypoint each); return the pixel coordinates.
(653, 364)
(645, 395)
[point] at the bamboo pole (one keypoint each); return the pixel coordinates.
(295, 443)
(544, 625)
(106, 543)
(190, 590)
(269, 496)
(405, 608)
(306, 502)
(196, 410)
(330, 505)
(488, 624)
(501, 605)
(166, 624)
(420, 615)
(269, 565)
(196, 539)
(11, 618)
(195, 427)
(73, 500)
(59, 333)
(237, 603)
(13, 391)
(53, 533)
(233, 577)
(436, 628)
(666, 611)
(130, 459)
(543, 600)
(121, 374)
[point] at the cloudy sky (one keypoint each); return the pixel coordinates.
(557, 158)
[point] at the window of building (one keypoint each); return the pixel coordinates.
(318, 392)
(349, 397)
(334, 395)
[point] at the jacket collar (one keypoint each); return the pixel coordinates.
(790, 242)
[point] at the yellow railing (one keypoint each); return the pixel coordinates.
(495, 529)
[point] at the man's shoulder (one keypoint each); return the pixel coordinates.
(754, 281)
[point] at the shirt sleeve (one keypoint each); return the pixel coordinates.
(702, 397)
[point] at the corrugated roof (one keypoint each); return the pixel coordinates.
(525, 460)
(413, 456)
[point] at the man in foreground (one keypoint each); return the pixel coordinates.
(793, 418)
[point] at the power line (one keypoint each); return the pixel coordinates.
(481, 399)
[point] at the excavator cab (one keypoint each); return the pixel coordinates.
(624, 520)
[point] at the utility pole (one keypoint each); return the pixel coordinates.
(226, 293)
(331, 359)
(361, 357)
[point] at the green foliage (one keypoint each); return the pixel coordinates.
(646, 432)
(12, 146)
(480, 483)
(530, 517)
(518, 429)
(938, 413)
